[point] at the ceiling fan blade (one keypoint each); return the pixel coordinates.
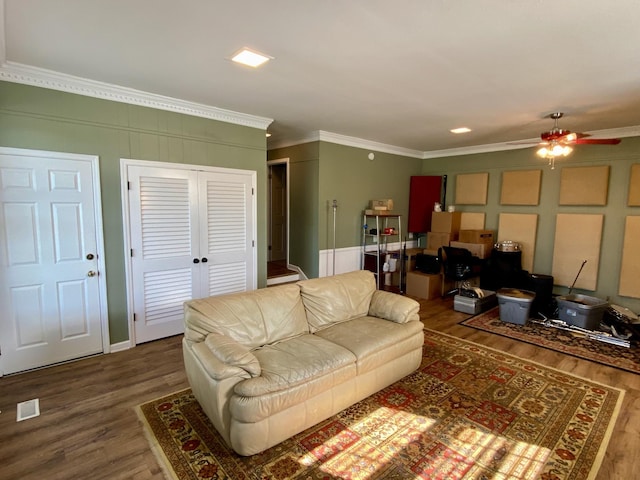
(528, 143)
(597, 141)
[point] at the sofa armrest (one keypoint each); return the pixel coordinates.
(232, 353)
(393, 307)
(223, 358)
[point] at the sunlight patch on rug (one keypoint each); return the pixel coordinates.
(467, 412)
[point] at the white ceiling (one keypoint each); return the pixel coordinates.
(401, 73)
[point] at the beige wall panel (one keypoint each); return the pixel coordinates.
(521, 228)
(584, 185)
(578, 238)
(634, 186)
(630, 269)
(472, 221)
(521, 187)
(471, 188)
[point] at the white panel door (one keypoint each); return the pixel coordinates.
(191, 236)
(50, 305)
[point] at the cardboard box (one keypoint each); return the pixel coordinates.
(446, 222)
(480, 250)
(410, 258)
(424, 285)
(435, 240)
(476, 236)
(385, 204)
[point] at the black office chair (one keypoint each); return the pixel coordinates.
(458, 265)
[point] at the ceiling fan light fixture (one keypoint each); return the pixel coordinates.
(552, 151)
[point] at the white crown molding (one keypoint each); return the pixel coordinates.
(39, 77)
(367, 144)
(633, 131)
(330, 137)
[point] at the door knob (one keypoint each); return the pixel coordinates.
(89, 256)
(196, 260)
(205, 259)
(91, 273)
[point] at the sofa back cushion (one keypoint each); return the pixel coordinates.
(336, 299)
(255, 318)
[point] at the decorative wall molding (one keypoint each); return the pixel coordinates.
(39, 77)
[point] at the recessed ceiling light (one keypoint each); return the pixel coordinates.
(250, 58)
(460, 130)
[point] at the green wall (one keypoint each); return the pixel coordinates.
(620, 158)
(42, 119)
(321, 172)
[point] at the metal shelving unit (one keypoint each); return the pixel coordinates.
(378, 232)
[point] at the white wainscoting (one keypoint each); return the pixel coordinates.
(348, 259)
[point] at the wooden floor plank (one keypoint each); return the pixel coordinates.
(88, 428)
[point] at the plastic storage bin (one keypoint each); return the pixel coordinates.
(515, 305)
(471, 305)
(581, 310)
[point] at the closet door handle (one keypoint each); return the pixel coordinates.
(205, 259)
(196, 260)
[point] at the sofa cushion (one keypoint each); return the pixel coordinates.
(292, 372)
(253, 319)
(331, 300)
(294, 362)
(375, 341)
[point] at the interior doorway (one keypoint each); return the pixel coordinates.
(278, 210)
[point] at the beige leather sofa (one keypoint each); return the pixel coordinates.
(267, 364)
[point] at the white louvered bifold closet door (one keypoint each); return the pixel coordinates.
(226, 220)
(191, 236)
(163, 205)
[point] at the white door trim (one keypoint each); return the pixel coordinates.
(127, 162)
(97, 212)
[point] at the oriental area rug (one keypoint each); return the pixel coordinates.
(468, 412)
(559, 340)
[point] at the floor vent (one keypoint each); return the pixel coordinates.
(28, 409)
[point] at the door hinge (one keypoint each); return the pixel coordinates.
(134, 317)
(132, 252)
(253, 243)
(253, 192)
(128, 185)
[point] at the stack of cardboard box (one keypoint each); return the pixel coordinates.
(478, 242)
(445, 231)
(445, 227)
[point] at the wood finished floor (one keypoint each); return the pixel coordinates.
(88, 428)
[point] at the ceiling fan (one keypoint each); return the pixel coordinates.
(558, 142)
